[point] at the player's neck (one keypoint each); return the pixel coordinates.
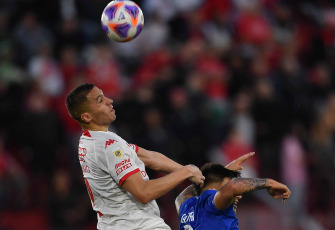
(94, 127)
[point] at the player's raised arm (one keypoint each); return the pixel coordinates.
(187, 193)
(238, 186)
(145, 191)
(157, 161)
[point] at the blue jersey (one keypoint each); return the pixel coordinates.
(201, 213)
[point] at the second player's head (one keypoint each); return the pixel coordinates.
(216, 176)
(89, 107)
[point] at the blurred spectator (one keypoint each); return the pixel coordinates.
(66, 208)
(4, 25)
(214, 9)
(154, 135)
(321, 84)
(217, 32)
(42, 133)
(294, 175)
(70, 65)
(267, 113)
(242, 120)
(70, 34)
(29, 36)
(9, 71)
(186, 128)
(234, 147)
(103, 70)
(45, 70)
(251, 26)
(13, 180)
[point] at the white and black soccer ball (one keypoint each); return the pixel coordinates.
(122, 20)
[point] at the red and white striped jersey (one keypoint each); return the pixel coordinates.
(107, 161)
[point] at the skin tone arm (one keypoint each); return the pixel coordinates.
(157, 161)
(188, 192)
(183, 196)
(145, 191)
(238, 186)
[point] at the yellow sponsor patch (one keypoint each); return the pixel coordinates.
(118, 153)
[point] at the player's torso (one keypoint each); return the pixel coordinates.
(106, 159)
(201, 213)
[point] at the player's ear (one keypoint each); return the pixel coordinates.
(86, 117)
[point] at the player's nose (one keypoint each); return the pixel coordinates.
(110, 101)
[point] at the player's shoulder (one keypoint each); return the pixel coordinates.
(206, 196)
(187, 204)
(104, 139)
(207, 193)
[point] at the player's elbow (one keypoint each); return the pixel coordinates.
(143, 198)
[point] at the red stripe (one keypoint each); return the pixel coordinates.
(128, 175)
(86, 133)
(90, 193)
(135, 146)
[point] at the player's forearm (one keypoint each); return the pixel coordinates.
(153, 189)
(157, 161)
(245, 185)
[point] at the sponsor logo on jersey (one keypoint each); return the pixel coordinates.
(123, 165)
(85, 168)
(187, 217)
(110, 142)
(82, 153)
(118, 153)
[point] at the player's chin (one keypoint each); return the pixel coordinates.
(113, 118)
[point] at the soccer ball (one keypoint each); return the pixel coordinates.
(122, 20)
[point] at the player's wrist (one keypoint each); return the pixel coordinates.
(269, 182)
(189, 171)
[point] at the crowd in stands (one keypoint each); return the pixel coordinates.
(206, 80)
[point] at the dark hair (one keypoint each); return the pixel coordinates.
(214, 173)
(76, 100)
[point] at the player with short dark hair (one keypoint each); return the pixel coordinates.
(114, 170)
(212, 206)
(76, 100)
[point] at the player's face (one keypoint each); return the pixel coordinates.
(101, 108)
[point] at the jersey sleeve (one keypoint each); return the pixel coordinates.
(134, 147)
(118, 161)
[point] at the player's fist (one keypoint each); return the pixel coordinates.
(197, 177)
(278, 190)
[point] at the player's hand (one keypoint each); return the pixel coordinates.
(278, 190)
(236, 165)
(197, 177)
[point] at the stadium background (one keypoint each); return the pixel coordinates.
(206, 80)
